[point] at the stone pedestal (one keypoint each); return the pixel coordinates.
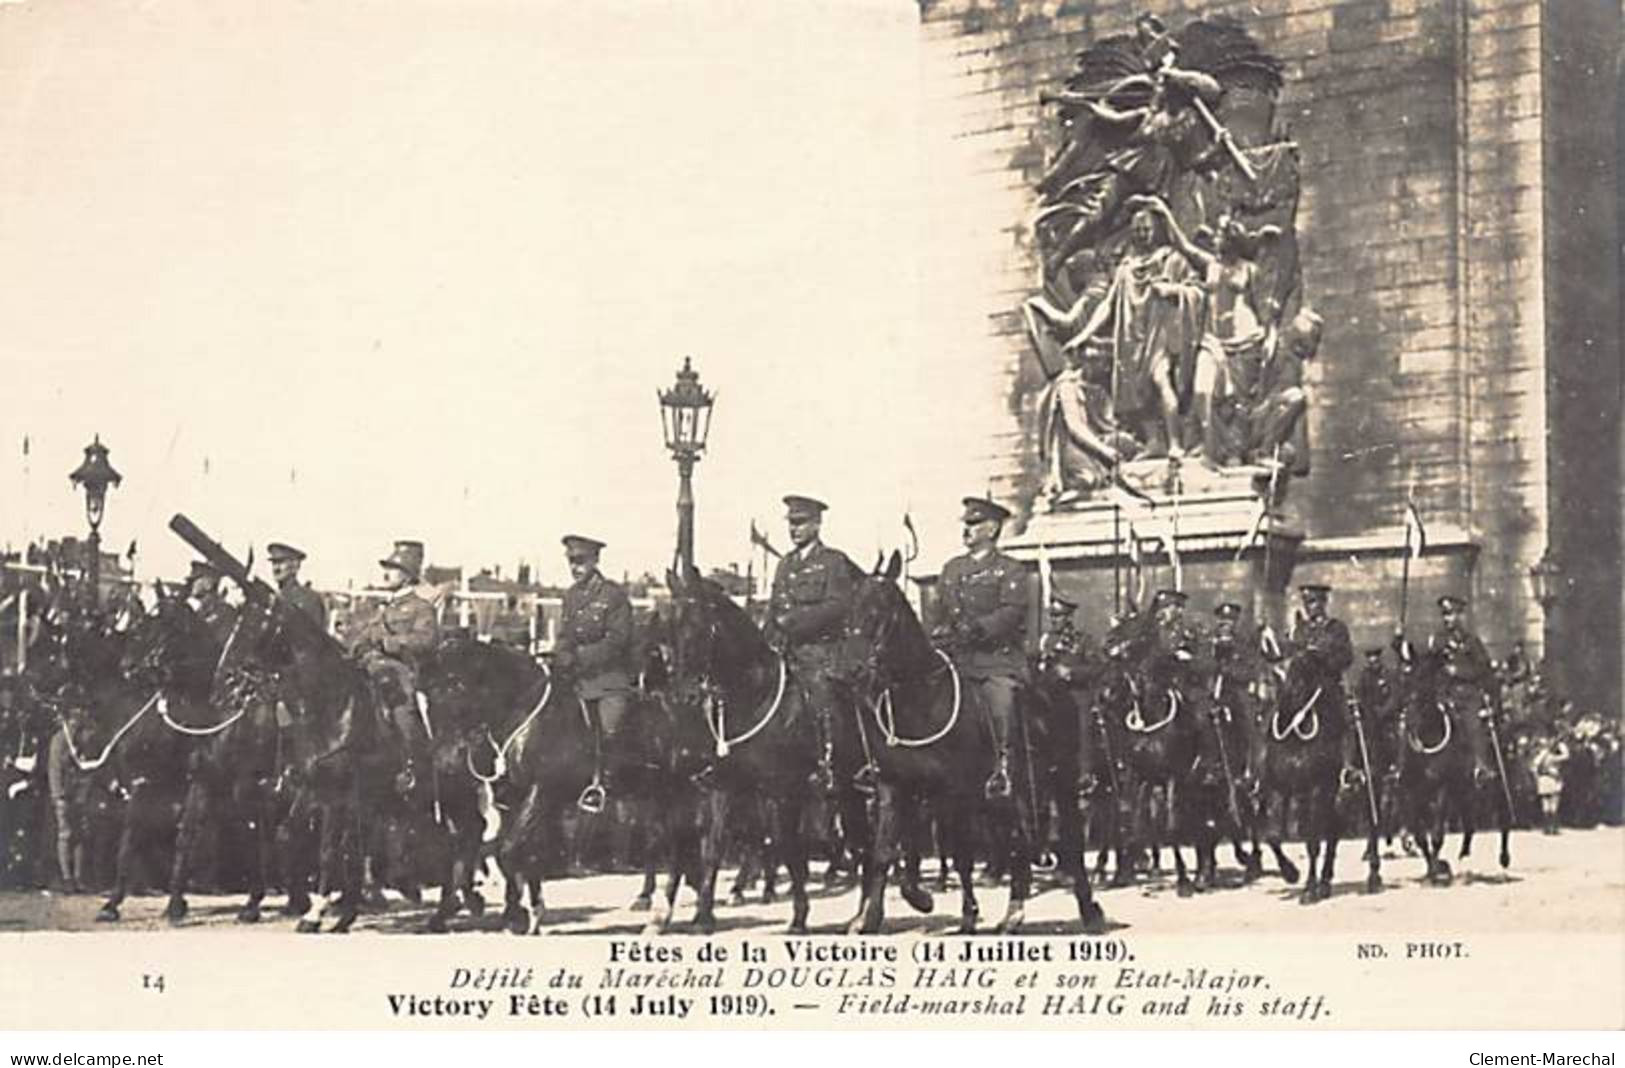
(1231, 545)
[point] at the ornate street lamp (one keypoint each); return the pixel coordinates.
(95, 476)
(1546, 577)
(685, 414)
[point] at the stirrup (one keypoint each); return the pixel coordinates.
(998, 784)
(592, 799)
(867, 780)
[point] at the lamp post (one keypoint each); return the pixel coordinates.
(685, 414)
(95, 476)
(1546, 577)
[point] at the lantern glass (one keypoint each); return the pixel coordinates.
(685, 412)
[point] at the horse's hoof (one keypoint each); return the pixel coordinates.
(1505, 859)
(1093, 917)
(917, 898)
(706, 925)
(642, 903)
(177, 909)
(1289, 872)
(1308, 896)
(474, 901)
(296, 906)
(436, 924)
(1323, 890)
(797, 927)
(1012, 922)
(1373, 883)
(516, 922)
(736, 899)
(248, 914)
(1253, 872)
(345, 923)
(1186, 888)
(967, 925)
(108, 914)
(1121, 879)
(769, 896)
(308, 927)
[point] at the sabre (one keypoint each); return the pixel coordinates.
(1500, 763)
(1365, 761)
(1222, 710)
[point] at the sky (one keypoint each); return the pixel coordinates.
(344, 272)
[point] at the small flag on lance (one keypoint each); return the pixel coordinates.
(1046, 575)
(1416, 535)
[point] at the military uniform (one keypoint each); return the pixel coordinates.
(594, 651)
(812, 590)
(983, 601)
(1457, 655)
(1235, 665)
(393, 639)
(296, 594)
(214, 610)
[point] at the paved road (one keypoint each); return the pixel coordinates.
(1570, 883)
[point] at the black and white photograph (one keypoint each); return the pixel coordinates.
(847, 514)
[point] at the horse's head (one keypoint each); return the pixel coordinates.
(1128, 639)
(881, 628)
(655, 656)
(170, 648)
(713, 640)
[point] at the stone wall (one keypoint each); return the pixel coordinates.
(1427, 226)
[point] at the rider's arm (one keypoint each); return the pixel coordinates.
(1005, 622)
(413, 631)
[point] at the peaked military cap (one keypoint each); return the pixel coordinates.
(579, 545)
(282, 551)
(1374, 653)
(202, 569)
(1450, 600)
(1057, 599)
(1314, 587)
(798, 507)
(981, 509)
(408, 557)
(1169, 597)
(1229, 610)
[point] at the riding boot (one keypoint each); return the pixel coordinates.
(824, 777)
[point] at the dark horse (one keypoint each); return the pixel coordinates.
(1303, 752)
(229, 756)
(1446, 757)
(117, 722)
(931, 737)
(1153, 735)
(762, 731)
(531, 741)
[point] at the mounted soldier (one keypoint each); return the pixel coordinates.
(594, 652)
(984, 622)
(1459, 658)
(1236, 668)
(812, 589)
(1175, 658)
(1318, 635)
(285, 563)
(393, 639)
(203, 594)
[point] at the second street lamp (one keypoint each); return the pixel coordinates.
(685, 414)
(95, 475)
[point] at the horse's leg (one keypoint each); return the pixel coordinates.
(1176, 816)
(194, 816)
(352, 848)
(1018, 847)
(129, 837)
(520, 853)
(649, 816)
(1274, 802)
(298, 851)
(712, 839)
(876, 867)
(1310, 820)
(792, 849)
(963, 839)
(259, 803)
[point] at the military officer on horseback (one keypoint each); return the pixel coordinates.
(285, 562)
(1062, 650)
(594, 651)
(203, 594)
(1236, 667)
(1457, 654)
(812, 589)
(392, 641)
(984, 622)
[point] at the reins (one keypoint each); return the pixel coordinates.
(716, 716)
(92, 765)
(886, 715)
(499, 767)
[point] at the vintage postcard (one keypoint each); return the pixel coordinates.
(723, 515)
